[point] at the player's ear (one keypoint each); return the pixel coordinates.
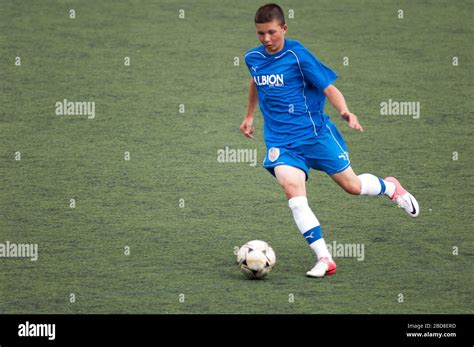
(285, 28)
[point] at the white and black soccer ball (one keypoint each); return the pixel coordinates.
(256, 259)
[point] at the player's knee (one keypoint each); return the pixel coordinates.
(290, 186)
(293, 189)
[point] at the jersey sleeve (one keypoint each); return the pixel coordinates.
(247, 58)
(318, 74)
(248, 65)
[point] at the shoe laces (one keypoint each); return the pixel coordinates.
(402, 203)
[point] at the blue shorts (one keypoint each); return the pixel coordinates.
(327, 152)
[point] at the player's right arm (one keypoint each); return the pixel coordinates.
(247, 125)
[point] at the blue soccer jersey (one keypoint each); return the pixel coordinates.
(290, 88)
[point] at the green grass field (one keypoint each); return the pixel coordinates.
(138, 203)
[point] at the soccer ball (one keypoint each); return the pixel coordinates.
(256, 259)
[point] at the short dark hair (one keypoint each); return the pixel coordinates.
(268, 13)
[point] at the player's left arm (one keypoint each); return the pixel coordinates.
(336, 99)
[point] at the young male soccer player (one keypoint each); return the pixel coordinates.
(291, 86)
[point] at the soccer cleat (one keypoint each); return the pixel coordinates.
(324, 266)
(404, 199)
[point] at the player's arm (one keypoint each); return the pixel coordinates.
(246, 127)
(336, 99)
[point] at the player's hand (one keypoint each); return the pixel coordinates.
(247, 128)
(351, 118)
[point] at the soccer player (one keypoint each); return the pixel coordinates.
(291, 87)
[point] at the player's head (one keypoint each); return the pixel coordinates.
(268, 13)
(271, 27)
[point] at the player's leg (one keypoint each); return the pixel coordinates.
(293, 182)
(348, 181)
(368, 184)
(329, 154)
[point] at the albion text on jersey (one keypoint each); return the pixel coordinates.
(270, 80)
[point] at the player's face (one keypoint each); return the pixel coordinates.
(272, 35)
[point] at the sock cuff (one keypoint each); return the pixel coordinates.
(371, 185)
(382, 184)
(298, 201)
(314, 234)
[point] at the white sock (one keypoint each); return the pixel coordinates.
(373, 185)
(319, 247)
(308, 225)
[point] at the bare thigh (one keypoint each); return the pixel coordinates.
(292, 180)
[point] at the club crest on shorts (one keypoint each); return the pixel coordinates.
(273, 153)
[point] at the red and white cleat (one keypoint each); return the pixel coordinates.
(404, 199)
(323, 267)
